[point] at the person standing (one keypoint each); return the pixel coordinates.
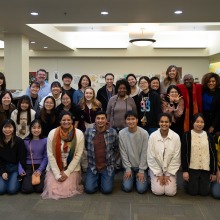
(101, 142)
(192, 96)
(211, 102)
(107, 91)
(67, 80)
(41, 76)
(133, 141)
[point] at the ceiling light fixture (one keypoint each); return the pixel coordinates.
(34, 13)
(104, 13)
(45, 47)
(32, 42)
(142, 42)
(178, 12)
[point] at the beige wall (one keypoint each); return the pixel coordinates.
(119, 66)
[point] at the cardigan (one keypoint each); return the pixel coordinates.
(74, 164)
(186, 152)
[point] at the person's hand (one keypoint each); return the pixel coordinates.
(186, 176)
(37, 173)
(23, 174)
(177, 98)
(171, 98)
(127, 175)
(141, 177)
(63, 177)
(166, 180)
(160, 179)
(5, 176)
(213, 178)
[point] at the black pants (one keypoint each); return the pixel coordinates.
(199, 182)
(27, 186)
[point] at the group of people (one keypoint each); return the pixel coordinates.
(146, 127)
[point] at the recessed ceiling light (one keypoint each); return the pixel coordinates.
(32, 42)
(104, 13)
(34, 13)
(178, 12)
(45, 47)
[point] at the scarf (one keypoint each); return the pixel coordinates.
(69, 139)
(197, 102)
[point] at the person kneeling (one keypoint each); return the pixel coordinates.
(133, 148)
(163, 157)
(101, 142)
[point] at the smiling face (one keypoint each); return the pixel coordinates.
(49, 104)
(212, 84)
(84, 82)
(8, 130)
(41, 76)
(6, 100)
(66, 122)
(198, 125)
(100, 121)
(24, 105)
(36, 130)
(34, 89)
(155, 84)
(122, 91)
(67, 81)
(132, 81)
(66, 101)
(89, 94)
(56, 90)
(143, 84)
(131, 122)
(109, 80)
(172, 73)
(188, 81)
(164, 123)
(173, 93)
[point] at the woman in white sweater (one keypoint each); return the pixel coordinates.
(163, 157)
(64, 150)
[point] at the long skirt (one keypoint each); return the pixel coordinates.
(54, 189)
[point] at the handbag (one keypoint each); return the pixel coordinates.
(35, 180)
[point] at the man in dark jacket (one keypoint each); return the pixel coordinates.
(107, 91)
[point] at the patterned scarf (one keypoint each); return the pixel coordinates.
(69, 139)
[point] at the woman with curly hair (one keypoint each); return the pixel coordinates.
(172, 78)
(211, 102)
(119, 104)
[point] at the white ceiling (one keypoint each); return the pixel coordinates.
(70, 24)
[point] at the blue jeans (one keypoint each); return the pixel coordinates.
(105, 180)
(12, 185)
(127, 185)
(215, 190)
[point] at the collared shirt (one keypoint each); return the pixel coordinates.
(111, 141)
(163, 156)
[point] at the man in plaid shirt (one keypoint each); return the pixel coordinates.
(101, 143)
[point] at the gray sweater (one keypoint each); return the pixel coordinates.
(133, 149)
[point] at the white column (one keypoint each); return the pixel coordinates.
(16, 61)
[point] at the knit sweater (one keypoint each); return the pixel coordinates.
(133, 148)
(22, 129)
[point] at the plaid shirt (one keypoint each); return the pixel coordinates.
(111, 142)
